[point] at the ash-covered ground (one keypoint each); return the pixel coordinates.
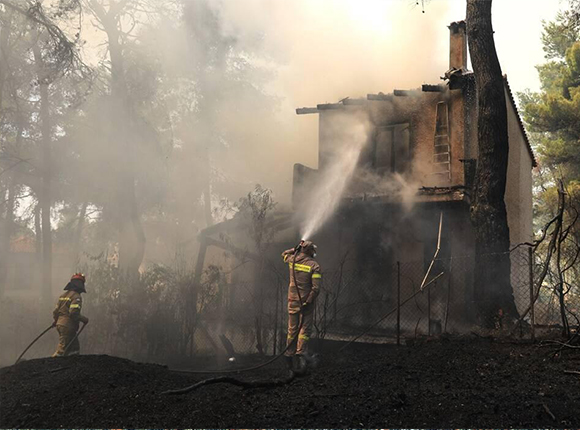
(459, 383)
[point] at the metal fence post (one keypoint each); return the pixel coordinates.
(429, 311)
(276, 319)
(449, 283)
(398, 303)
(532, 313)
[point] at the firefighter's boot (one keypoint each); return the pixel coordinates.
(300, 365)
(312, 360)
(288, 359)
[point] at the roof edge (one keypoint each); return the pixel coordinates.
(521, 123)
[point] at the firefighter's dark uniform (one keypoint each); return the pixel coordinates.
(305, 279)
(67, 316)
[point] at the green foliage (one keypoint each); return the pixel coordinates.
(553, 115)
(559, 35)
(553, 118)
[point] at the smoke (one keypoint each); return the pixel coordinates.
(329, 188)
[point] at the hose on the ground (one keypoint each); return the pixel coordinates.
(74, 338)
(259, 366)
(34, 341)
(276, 357)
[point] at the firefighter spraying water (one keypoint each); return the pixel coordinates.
(304, 286)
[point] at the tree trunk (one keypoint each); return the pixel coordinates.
(131, 234)
(207, 189)
(78, 236)
(37, 232)
(493, 289)
(4, 36)
(5, 236)
(8, 192)
(45, 187)
(560, 234)
(131, 237)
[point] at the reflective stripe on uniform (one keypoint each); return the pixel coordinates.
(75, 306)
(285, 258)
(316, 276)
(64, 299)
(300, 267)
(290, 336)
(303, 337)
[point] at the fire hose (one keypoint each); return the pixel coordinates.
(34, 341)
(259, 366)
(74, 338)
(42, 334)
(276, 357)
(255, 384)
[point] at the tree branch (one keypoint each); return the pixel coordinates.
(233, 381)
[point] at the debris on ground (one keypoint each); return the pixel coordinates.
(463, 383)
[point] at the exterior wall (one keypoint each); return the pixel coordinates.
(331, 126)
(377, 233)
(518, 199)
(518, 195)
(419, 110)
(457, 136)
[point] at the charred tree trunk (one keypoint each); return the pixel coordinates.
(45, 198)
(488, 210)
(560, 235)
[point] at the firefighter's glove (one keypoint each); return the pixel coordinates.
(85, 320)
(53, 324)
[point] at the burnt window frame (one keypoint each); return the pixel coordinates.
(382, 170)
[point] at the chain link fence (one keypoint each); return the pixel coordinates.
(166, 313)
(387, 306)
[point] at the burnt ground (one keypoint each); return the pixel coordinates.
(460, 383)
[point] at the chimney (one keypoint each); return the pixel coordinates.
(457, 46)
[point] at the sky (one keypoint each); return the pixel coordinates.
(518, 27)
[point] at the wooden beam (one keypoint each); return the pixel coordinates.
(328, 106)
(402, 93)
(428, 88)
(354, 102)
(306, 111)
(380, 97)
(237, 252)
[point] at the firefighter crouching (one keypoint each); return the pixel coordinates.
(67, 316)
(305, 279)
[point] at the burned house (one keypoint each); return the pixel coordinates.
(418, 162)
(413, 155)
